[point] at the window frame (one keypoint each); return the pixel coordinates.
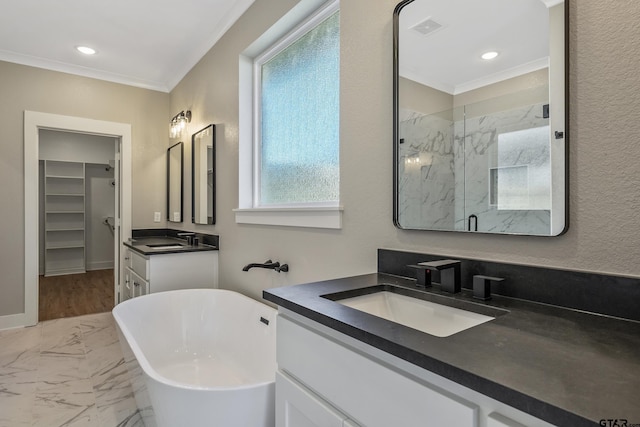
(274, 50)
(294, 25)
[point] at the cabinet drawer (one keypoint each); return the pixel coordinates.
(137, 284)
(139, 264)
(373, 394)
(297, 407)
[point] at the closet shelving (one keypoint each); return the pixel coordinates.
(64, 222)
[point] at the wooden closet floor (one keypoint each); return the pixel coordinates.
(75, 294)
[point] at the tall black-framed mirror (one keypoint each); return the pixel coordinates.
(480, 116)
(203, 176)
(175, 182)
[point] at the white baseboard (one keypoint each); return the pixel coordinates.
(14, 321)
(99, 265)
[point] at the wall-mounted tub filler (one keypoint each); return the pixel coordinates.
(268, 264)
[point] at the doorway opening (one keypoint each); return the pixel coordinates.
(120, 134)
(78, 188)
(76, 294)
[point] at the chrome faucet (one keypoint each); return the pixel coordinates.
(449, 273)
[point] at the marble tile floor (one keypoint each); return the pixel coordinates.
(65, 372)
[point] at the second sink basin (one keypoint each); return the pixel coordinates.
(438, 317)
(166, 246)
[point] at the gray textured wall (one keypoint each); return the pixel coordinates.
(605, 195)
(604, 151)
(27, 88)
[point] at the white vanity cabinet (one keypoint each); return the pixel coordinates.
(370, 393)
(134, 285)
(146, 274)
(498, 420)
(326, 378)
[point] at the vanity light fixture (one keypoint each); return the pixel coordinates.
(489, 55)
(86, 50)
(178, 123)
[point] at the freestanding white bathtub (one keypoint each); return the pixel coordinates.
(200, 357)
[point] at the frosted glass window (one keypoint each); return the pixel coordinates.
(300, 120)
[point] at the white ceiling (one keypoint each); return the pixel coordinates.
(449, 59)
(145, 43)
(154, 43)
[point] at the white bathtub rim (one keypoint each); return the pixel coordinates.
(151, 372)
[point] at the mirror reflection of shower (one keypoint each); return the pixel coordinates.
(490, 159)
(478, 137)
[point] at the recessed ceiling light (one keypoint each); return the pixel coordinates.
(489, 55)
(86, 50)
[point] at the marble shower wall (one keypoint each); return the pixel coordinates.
(426, 187)
(461, 162)
(512, 145)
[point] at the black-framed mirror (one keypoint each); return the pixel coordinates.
(175, 182)
(203, 176)
(480, 145)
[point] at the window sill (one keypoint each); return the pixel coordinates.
(327, 217)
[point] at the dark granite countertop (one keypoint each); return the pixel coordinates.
(147, 245)
(566, 367)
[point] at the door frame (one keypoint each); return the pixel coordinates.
(33, 122)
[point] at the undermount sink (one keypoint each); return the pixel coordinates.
(166, 246)
(434, 314)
